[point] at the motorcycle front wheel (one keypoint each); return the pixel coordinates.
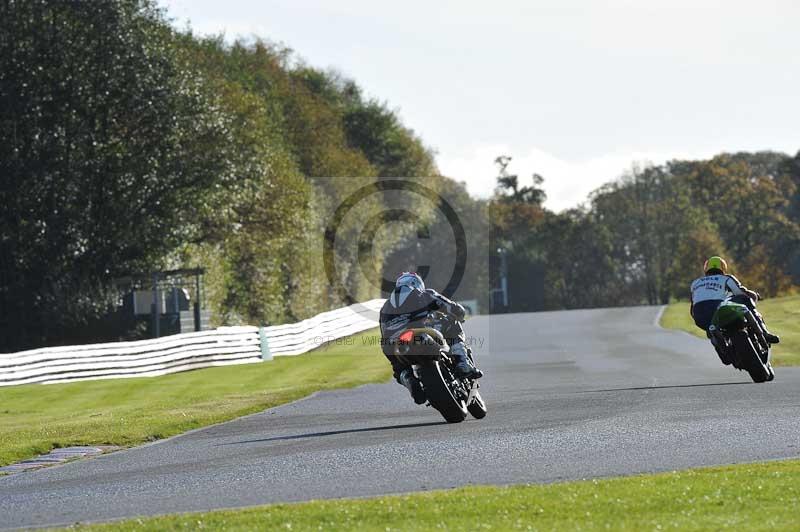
(477, 407)
(749, 358)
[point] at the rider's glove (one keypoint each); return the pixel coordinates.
(458, 312)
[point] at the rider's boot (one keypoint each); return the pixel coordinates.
(463, 367)
(771, 338)
(410, 381)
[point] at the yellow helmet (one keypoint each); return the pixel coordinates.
(715, 263)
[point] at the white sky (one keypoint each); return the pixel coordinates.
(575, 90)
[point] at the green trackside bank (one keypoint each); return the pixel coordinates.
(36, 418)
(742, 497)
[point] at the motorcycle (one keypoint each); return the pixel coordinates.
(739, 339)
(424, 349)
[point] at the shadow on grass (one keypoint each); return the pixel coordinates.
(336, 432)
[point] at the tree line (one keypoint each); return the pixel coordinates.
(641, 239)
(127, 147)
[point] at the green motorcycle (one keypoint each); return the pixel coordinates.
(740, 341)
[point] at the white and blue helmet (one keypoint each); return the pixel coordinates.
(404, 286)
(411, 280)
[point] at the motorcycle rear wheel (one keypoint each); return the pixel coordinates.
(439, 394)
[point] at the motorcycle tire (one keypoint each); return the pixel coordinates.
(757, 337)
(477, 407)
(759, 341)
(748, 357)
(439, 394)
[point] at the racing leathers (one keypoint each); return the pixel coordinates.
(405, 307)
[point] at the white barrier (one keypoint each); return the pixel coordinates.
(183, 352)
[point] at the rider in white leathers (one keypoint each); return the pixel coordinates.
(715, 287)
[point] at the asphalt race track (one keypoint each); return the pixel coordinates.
(571, 395)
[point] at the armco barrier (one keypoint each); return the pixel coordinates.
(182, 352)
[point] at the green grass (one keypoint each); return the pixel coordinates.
(782, 315)
(36, 418)
(743, 497)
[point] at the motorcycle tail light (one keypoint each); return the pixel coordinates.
(406, 337)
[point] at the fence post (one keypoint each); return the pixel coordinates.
(262, 335)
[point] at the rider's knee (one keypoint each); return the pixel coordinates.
(458, 348)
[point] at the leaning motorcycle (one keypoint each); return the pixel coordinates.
(424, 349)
(740, 340)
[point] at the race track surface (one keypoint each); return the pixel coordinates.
(571, 395)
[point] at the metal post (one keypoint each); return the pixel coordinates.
(503, 276)
(504, 288)
(197, 323)
(265, 352)
(156, 308)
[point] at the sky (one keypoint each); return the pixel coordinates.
(577, 91)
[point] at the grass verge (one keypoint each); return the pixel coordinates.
(36, 418)
(742, 497)
(782, 315)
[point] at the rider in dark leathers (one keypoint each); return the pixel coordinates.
(410, 303)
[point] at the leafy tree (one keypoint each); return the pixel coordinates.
(580, 271)
(388, 145)
(791, 170)
(508, 188)
(107, 144)
(651, 215)
(304, 121)
(516, 214)
(752, 209)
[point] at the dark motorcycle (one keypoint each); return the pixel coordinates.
(740, 341)
(424, 348)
